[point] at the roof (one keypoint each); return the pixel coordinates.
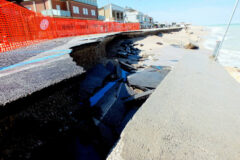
(114, 7)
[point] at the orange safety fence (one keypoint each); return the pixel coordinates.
(21, 27)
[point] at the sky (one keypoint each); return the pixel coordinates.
(198, 12)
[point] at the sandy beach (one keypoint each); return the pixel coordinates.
(168, 48)
(194, 34)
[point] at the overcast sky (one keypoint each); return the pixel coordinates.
(200, 12)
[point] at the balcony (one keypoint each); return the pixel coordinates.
(54, 12)
(90, 2)
(102, 18)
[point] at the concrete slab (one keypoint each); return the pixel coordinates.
(193, 114)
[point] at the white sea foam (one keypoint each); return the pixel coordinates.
(230, 52)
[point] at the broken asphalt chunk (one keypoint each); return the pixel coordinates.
(138, 97)
(122, 54)
(126, 42)
(94, 79)
(127, 67)
(147, 78)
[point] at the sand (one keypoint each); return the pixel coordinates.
(159, 49)
(195, 34)
(234, 72)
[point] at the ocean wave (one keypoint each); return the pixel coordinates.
(229, 58)
(230, 51)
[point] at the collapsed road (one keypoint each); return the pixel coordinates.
(82, 117)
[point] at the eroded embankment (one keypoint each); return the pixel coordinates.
(59, 122)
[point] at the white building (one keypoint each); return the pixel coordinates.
(112, 13)
(134, 16)
(148, 22)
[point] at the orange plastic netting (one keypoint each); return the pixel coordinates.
(21, 27)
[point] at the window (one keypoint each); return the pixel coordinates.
(76, 10)
(29, 8)
(121, 16)
(58, 7)
(85, 11)
(93, 12)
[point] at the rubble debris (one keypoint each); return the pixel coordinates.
(176, 46)
(126, 119)
(110, 66)
(110, 95)
(127, 67)
(161, 67)
(105, 131)
(134, 57)
(94, 99)
(191, 46)
(126, 42)
(111, 106)
(94, 79)
(124, 91)
(115, 114)
(122, 54)
(173, 60)
(157, 67)
(140, 96)
(137, 88)
(128, 50)
(160, 35)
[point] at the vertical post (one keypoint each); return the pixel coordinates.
(230, 21)
(50, 7)
(50, 4)
(34, 6)
(68, 8)
(216, 49)
(110, 10)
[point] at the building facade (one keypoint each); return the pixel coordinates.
(134, 16)
(82, 9)
(112, 13)
(147, 22)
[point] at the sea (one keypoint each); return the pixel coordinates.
(230, 52)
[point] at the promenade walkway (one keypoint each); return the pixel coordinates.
(193, 114)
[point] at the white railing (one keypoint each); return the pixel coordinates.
(101, 17)
(55, 12)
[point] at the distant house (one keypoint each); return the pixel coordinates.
(151, 20)
(81, 9)
(112, 13)
(132, 15)
(148, 22)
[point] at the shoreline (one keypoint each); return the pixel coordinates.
(233, 71)
(151, 46)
